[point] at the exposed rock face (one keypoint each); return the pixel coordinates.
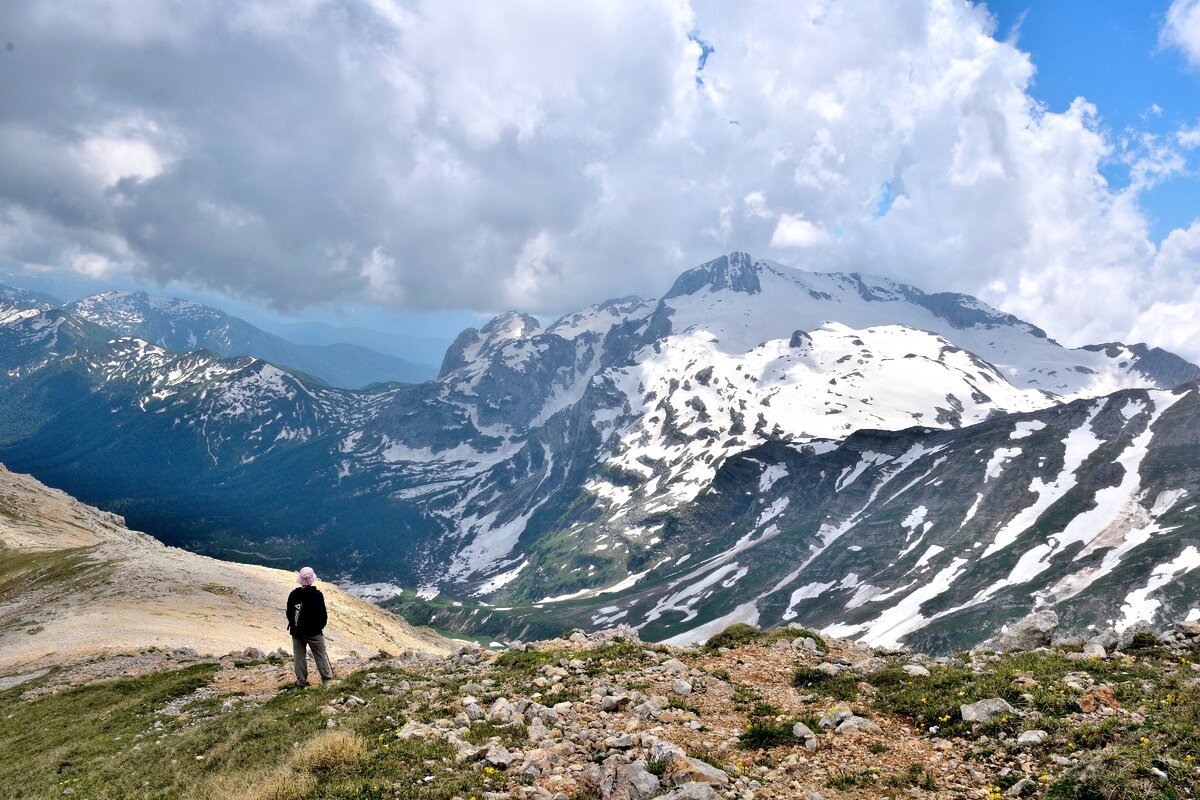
(1035, 630)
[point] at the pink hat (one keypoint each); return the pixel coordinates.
(306, 577)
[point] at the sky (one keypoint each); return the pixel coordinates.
(427, 163)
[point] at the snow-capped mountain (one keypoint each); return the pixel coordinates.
(184, 326)
(664, 463)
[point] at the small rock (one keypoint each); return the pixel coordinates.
(614, 702)
(1094, 650)
(684, 769)
(856, 724)
(691, 791)
(916, 671)
(1020, 787)
(500, 712)
(497, 756)
(1098, 697)
(673, 666)
(617, 781)
(681, 687)
(1033, 737)
(985, 710)
(802, 731)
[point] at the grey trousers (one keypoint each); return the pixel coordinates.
(317, 645)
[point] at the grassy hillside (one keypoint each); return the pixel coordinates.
(751, 715)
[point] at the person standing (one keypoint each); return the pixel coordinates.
(306, 618)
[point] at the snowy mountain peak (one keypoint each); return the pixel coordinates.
(738, 272)
(473, 343)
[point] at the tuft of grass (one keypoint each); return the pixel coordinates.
(917, 775)
(849, 779)
(708, 757)
(840, 687)
(528, 661)
(657, 766)
(761, 734)
(278, 784)
(333, 751)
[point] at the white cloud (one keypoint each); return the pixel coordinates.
(795, 231)
(1181, 29)
(544, 155)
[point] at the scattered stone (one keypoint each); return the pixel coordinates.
(1021, 787)
(802, 731)
(916, 671)
(1098, 697)
(1033, 737)
(691, 791)
(1030, 633)
(614, 780)
(496, 755)
(681, 687)
(985, 710)
(684, 769)
(856, 724)
(1094, 650)
(614, 702)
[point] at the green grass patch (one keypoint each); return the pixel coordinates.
(843, 686)
(736, 635)
(740, 633)
(761, 734)
(917, 775)
(850, 779)
(60, 570)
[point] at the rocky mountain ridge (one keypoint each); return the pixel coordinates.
(186, 326)
(569, 472)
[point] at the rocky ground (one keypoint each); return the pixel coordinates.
(777, 714)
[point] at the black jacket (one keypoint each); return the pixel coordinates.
(305, 612)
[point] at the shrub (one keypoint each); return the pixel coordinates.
(736, 635)
(1143, 640)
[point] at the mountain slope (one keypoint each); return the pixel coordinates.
(568, 459)
(75, 583)
(183, 326)
(929, 538)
